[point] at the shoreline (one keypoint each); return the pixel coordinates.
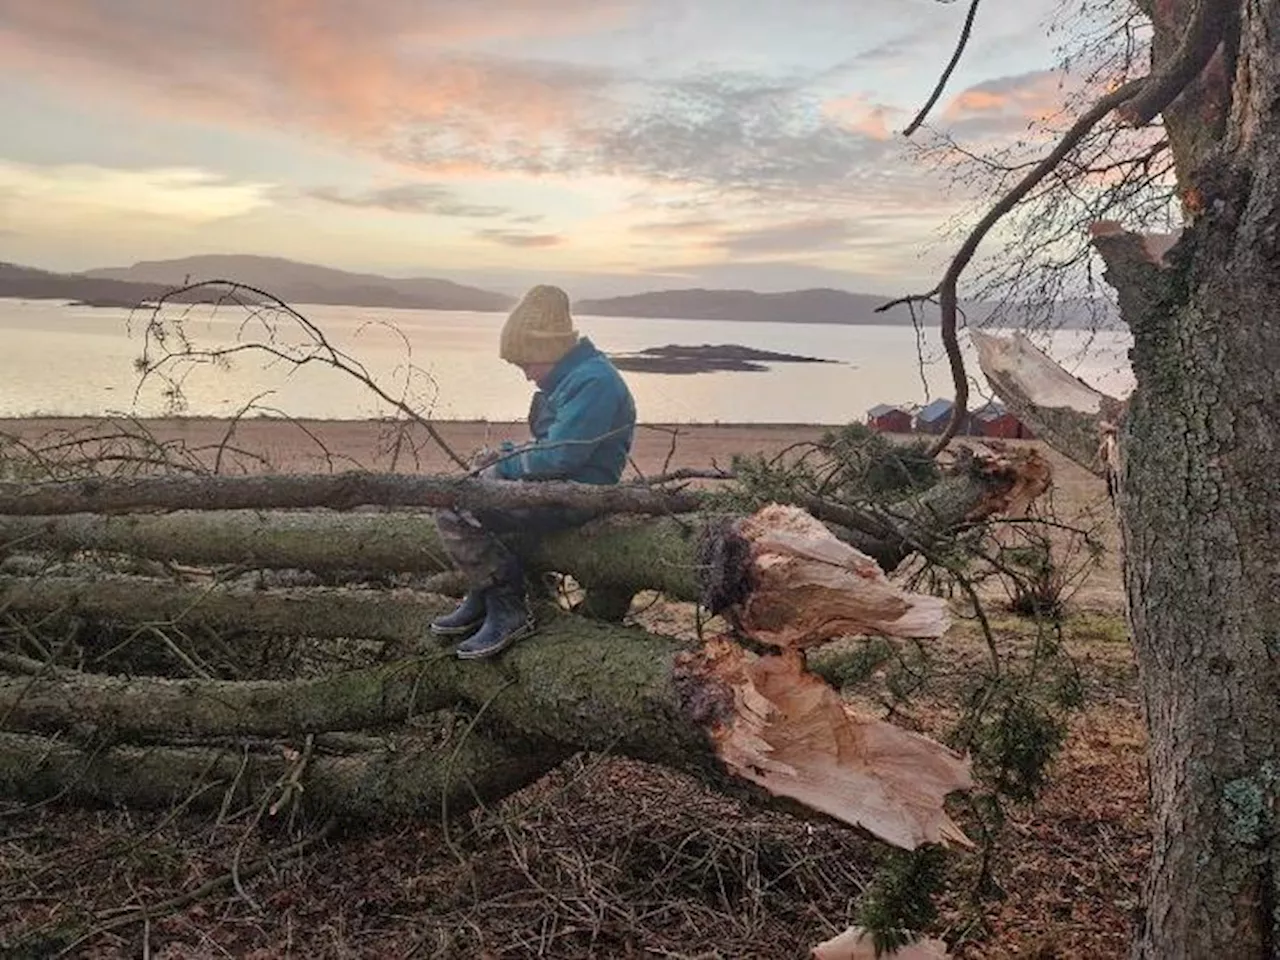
(301, 445)
(89, 418)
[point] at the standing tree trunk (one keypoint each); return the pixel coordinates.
(1199, 504)
(1198, 492)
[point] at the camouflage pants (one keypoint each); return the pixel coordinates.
(481, 543)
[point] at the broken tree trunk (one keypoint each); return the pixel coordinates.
(617, 552)
(740, 720)
(1068, 414)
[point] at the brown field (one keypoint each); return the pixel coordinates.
(605, 858)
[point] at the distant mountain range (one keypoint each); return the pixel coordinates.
(28, 283)
(797, 306)
(817, 306)
(303, 283)
(306, 283)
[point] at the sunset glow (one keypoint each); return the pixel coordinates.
(614, 146)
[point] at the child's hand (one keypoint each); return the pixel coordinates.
(483, 458)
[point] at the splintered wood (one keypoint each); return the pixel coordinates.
(788, 730)
(809, 588)
(857, 944)
(1063, 410)
(1154, 247)
(1035, 376)
(792, 734)
(1029, 476)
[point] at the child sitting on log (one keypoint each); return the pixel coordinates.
(582, 418)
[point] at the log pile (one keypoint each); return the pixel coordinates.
(408, 727)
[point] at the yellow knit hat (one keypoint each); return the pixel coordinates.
(540, 329)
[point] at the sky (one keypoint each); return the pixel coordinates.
(608, 145)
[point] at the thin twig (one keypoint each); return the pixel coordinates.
(324, 351)
(914, 125)
(166, 907)
(946, 291)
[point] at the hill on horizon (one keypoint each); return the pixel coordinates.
(30, 283)
(303, 283)
(819, 305)
(296, 282)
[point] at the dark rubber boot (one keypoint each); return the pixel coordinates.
(507, 621)
(464, 620)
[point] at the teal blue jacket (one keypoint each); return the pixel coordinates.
(583, 421)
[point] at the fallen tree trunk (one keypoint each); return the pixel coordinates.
(396, 616)
(338, 491)
(317, 540)
(412, 776)
(732, 717)
(653, 553)
(628, 668)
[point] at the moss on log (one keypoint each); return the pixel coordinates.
(593, 685)
(321, 541)
(619, 553)
(398, 616)
(581, 685)
(410, 778)
(760, 725)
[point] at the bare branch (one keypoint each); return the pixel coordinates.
(947, 289)
(1201, 40)
(965, 31)
(322, 351)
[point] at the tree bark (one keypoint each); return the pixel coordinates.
(338, 491)
(732, 717)
(321, 541)
(619, 552)
(1199, 453)
(1200, 511)
(398, 616)
(1199, 502)
(411, 778)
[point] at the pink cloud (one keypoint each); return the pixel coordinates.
(358, 70)
(1030, 96)
(860, 114)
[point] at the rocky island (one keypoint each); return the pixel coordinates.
(707, 358)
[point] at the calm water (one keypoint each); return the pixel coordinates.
(62, 360)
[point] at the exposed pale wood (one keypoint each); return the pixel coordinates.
(1154, 247)
(858, 944)
(791, 733)
(1062, 409)
(809, 588)
(787, 729)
